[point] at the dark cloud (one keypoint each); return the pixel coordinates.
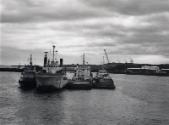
(18, 11)
(132, 7)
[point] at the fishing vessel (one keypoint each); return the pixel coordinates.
(27, 79)
(53, 75)
(82, 77)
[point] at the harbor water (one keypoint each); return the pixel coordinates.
(137, 100)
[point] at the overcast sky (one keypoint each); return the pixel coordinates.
(127, 29)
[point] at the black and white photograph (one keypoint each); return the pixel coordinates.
(84, 62)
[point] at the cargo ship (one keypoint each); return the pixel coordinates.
(53, 75)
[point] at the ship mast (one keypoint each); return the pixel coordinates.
(45, 59)
(53, 53)
(30, 60)
(83, 59)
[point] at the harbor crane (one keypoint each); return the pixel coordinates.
(106, 56)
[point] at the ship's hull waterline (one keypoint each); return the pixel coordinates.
(103, 83)
(27, 80)
(79, 84)
(50, 81)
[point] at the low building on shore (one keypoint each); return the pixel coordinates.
(148, 70)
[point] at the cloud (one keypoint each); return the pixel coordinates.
(19, 11)
(126, 28)
(152, 59)
(131, 7)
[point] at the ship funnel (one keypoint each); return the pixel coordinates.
(45, 59)
(61, 62)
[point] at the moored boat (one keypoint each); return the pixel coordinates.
(103, 80)
(82, 77)
(27, 79)
(52, 76)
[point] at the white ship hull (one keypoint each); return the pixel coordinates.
(47, 80)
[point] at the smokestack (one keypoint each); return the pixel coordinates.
(45, 59)
(61, 62)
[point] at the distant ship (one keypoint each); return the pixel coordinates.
(27, 79)
(82, 77)
(52, 76)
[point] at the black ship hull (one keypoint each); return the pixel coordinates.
(79, 85)
(27, 83)
(100, 83)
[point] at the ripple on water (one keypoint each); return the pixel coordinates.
(137, 100)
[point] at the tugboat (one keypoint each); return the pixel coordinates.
(82, 77)
(27, 79)
(103, 80)
(53, 76)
